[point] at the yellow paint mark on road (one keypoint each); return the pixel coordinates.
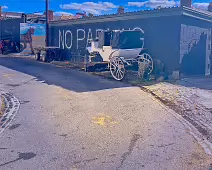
(2, 107)
(104, 120)
(8, 75)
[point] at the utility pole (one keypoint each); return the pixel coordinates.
(47, 23)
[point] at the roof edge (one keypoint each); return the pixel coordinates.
(197, 11)
(112, 17)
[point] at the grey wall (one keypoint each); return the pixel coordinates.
(161, 36)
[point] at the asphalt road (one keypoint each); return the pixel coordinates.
(72, 120)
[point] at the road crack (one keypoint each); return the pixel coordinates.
(166, 145)
(84, 161)
(133, 141)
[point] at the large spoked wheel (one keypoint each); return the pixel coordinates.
(117, 68)
(145, 57)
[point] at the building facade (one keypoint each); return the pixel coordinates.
(179, 37)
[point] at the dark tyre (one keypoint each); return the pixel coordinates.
(53, 56)
(17, 49)
(21, 47)
(37, 56)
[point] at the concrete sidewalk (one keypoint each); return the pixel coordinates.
(190, 99)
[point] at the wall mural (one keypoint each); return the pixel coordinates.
(195, 48)
(32, 35)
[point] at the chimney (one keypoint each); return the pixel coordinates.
(210, 7)
(0, 11)
(186, 3)
(51, 15)
(24, 18)
(121, 10)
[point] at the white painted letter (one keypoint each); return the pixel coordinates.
(97, 33)
(71, 38)
(89, 39)
(80, 39)
(61, 38)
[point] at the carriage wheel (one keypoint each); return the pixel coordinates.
(44, 57)
(53, 55)
(148, 60)
(117, 68)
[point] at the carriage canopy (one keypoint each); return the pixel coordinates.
(124, 39)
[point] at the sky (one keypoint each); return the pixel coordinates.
(70, 7)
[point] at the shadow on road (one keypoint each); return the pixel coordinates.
(21, 156)
(64, 77)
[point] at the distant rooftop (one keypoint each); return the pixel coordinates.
(8, 15)
(41, 18)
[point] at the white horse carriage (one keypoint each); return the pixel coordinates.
(121, 48)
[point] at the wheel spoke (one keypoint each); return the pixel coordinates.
(146, 58)
(113, 69)
(117, 68)
(121, 73)
(114, 65)
(117, 74)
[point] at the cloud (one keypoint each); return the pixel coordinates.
(166, 3)
(154, 3)
(202, 5)
(90, 7)
(162, 3)
(4, 7)
(59, 13)
(138, 4)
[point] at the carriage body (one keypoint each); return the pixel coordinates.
(121, 43)
(119, 48)
(106, 52)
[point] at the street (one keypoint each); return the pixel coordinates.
(72, 120)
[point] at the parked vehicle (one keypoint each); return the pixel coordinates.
(47, 54)
(8, 46)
